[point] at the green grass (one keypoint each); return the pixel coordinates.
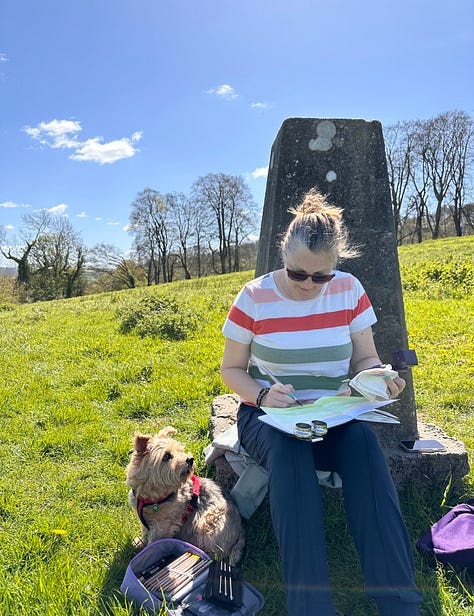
(74, 389)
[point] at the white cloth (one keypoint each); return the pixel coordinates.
(372, 383)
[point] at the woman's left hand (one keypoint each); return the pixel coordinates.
(395, 387)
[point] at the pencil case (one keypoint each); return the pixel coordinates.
(190, 600)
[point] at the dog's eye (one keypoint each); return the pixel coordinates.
(167, 456)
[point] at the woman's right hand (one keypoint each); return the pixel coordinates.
(234, 374)
(278, 396)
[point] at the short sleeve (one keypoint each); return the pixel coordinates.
(363, 314)
(239, 324)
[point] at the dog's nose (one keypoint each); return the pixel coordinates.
(190, 461)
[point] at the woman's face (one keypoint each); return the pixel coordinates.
(306, 262)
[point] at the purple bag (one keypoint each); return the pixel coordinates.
(193, 602)
(451, 539)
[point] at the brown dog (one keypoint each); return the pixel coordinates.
(172, 502)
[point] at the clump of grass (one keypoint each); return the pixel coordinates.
(439, 279)
(164, 317)
(438, 269)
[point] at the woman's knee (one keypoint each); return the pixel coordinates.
(359, 451)
(359, 435)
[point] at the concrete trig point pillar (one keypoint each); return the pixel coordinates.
(344, 159)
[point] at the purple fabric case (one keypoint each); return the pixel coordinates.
(451, 539)
(192, 604)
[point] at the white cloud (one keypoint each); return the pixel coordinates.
(58, 209)
(260, 106)
(3, 59)
(12, 204)
(103, 153)
(224, 91)
(57, 134)
(260, 172)
(9, 227)
(82, 215)
(62, 134)
(112, 222)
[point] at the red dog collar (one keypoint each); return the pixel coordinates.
(156, 502)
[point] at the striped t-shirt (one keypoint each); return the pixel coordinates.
(305, 343)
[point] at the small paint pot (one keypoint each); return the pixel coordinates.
(318, 428)
(302, 430)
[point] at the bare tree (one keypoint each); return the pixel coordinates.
(57, 259)
(399, 153)
(181, 212)
(50, 257)
(32, 227)
(202, 222)
(419, 197)
(244, 225)
(437, 150)
(228, 198)
(462, 133)
(153, 227)
(108, 260)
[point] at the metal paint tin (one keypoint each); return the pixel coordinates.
(318, 428)
(302, 430)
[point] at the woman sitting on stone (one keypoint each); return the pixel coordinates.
(309, 324)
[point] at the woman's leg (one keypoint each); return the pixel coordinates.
(296, 510)
(374, 517)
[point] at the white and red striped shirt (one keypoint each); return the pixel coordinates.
(305, 343)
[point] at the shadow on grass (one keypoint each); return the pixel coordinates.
(262, 564)
(110, 594)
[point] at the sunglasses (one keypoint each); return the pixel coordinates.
(316, 278)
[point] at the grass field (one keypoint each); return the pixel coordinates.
(80, 376)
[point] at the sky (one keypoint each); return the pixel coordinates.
(100, 99)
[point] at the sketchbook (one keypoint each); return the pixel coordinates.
(334, 410)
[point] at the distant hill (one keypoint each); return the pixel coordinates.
(8, 271)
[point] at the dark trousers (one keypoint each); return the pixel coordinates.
(372, 509)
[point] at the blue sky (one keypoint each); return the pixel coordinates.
(100, 99)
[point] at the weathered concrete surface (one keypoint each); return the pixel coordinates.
(346, 160)
(223, 416)
(429, 469)
(423, 471)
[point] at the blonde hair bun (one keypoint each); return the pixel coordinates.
(315, 202)
(318, 226)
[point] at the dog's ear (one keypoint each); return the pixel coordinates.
(141, 442)
(168, 431)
